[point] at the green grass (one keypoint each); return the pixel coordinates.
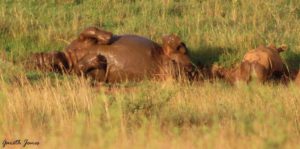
(66, 112)
(223, 29)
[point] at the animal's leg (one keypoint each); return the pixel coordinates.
(245, 71)
(94, 67)
(261, 73)
(253, 71)
(101, 36)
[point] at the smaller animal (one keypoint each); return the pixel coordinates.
(262, 64)
(244, 72)
(265, 62)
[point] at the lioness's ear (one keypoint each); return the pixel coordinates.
(282, 48)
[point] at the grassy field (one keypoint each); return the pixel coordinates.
(66, 112)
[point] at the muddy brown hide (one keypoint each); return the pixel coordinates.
(80, 47)
(111, 58)
(66, 60)
(133, 58)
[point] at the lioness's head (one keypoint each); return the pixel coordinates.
(176, 51)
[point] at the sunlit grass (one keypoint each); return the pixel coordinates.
(154, 113)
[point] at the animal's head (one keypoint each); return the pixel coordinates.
(280, 49)
(176, 51)
(52, 61)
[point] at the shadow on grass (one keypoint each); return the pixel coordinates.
(292, 60)
(206, 56)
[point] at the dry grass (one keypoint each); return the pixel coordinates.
(64, 113)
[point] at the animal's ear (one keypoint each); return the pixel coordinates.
(282, 48)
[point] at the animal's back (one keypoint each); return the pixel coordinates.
(132, 55)
(266, 57)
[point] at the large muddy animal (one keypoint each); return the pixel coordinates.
(114, 58)
(262, 64)
(132, 57)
